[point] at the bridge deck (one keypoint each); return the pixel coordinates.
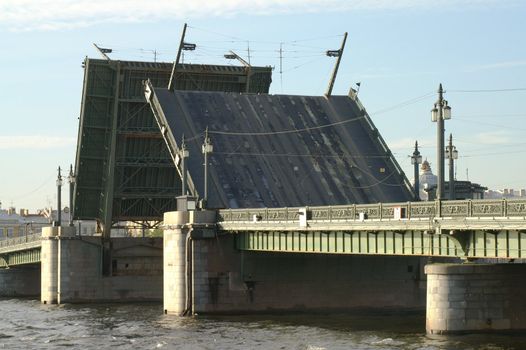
(468, 229)
(20, 250)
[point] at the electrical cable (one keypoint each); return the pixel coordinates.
(338, 156)
(34, 190)
(489, 90)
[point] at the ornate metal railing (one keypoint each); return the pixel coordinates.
(381, 211)
(20, 240)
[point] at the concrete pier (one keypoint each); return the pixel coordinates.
(20, 281)
(467, 298)
(71, 268)
(206, 274)
(185, 270)
(49, 265)
(175, 262)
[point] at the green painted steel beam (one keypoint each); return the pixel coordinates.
(16, 258)
(351, 242)
(503, 244)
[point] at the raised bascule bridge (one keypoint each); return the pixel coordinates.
(269, 203)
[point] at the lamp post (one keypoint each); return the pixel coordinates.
(416, 160)
(59, 195)
(439, 114)
(451, 154)
(183, 154)
(206, 148)
(71, 180)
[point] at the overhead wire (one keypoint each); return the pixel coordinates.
(291, 131)
(488, 90)
(38, 188)
(490, 124)
(338, 156)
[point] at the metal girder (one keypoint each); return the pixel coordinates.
(466, 229)
(24, 257)
(351, 242)
(467, 245)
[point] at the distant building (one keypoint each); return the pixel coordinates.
(13, 224)
(466, 190)
(508, 193)
(463, 189)
(428, 181)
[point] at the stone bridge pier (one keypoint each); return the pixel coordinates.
(205, 273)
(20, 281)
(72, 268)
(467, 298)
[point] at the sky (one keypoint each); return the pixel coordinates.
(398, 50)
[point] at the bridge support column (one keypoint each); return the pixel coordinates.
(53, 263)
(175, 262)
(23, 281)
(49, 265)
(465, 298)
(186, 284)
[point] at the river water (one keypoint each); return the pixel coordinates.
(27, 324)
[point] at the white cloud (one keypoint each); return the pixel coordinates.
(36, 142)
(498, 137)
(498, 65)
(21, 15)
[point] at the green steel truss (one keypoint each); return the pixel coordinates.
(470, 244)
(465, 229)
(20, 250)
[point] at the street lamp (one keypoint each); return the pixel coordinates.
(439, 113)
(451, 154)
(206, 149)
(59, 195)
(416, 160)
(183, 153)
(234, 56)
(71, 179)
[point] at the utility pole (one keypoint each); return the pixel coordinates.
(59, 197)
(248, 51)
(451, 154)
(339, 54)
(439, 114)
(206, 148)
(281, 65)
(416, 160)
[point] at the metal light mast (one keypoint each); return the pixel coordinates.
(439, 114)
(206, 148)
(451, 154)
(183, 154)
(339, 54)
(416, 160)
(59, 197)
(71, 180)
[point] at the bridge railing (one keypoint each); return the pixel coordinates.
(406, 210)
(20, 240)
